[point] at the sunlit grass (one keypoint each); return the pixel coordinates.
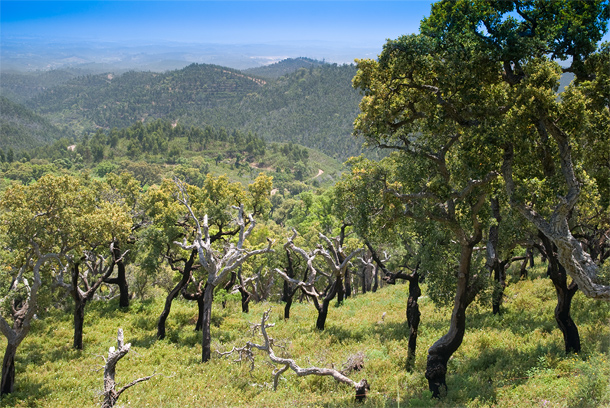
(516, 359)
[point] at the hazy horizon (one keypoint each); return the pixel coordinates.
(51, 34)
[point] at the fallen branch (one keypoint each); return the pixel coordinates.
(246, 353)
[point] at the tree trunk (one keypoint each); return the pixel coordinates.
(7, 385)
(364, 270)
(564, 293)
(168, 305)
(123, 286)
(413, 318)
(493, 257)
(227, 286)
(186, 276)
(523, 270)
(287, 308)
(348, 283)
(323, 310)
(340, 290)
(530, 254)
(571, 338)
(375, 279)
(200, 307)
(245, 299)
(120, 280)
(443, 349)
(79, 319)
(206, 342)
(322, 313)
(500, 282)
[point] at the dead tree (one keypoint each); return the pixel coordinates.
(246, 353)
(335, 277)
(218, 265)
(23, 312)
(111, 395)
(338, 264)
(290, 289)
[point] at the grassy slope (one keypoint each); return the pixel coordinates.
(514, 360)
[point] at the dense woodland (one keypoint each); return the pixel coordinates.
(462, 261)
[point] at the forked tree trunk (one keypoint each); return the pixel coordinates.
(564, 293)
(81, 298)
(206, 342)
(7, 385)
(323, 309)
(443, 349)
(120, 280)
(287, 292)
(198, 297)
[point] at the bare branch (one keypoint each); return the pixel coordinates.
(361, 387)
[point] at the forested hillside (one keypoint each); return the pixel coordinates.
(117, 101)
(313, 106)
(284, 67)
(20, 128)
(21, 86)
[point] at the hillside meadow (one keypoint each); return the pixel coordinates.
(512, 360)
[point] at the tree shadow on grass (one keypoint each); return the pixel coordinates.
(32, 354)
(392, 331)
(342, 334)
(500, 367)
(27, 393)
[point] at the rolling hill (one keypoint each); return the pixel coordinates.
(20, 128)
(312, 106)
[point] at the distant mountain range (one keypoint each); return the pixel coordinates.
(43, 54)
(299, 100)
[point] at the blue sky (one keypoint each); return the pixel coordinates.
(357, 23)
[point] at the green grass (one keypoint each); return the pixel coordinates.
(512, 360)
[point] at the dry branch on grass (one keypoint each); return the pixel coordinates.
(247, 353)
(110, 394)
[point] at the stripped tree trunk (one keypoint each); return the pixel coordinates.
(111, 395)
